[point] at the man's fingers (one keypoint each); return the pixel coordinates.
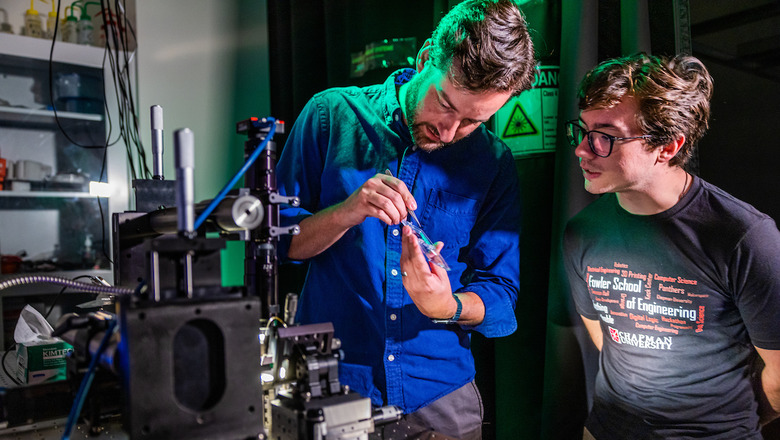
(408, 201)
(412, 258)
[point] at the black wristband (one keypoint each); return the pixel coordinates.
(456, 317)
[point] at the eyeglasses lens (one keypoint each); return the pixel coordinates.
(574, 132)
(598, 142)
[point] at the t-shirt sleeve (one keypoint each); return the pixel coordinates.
(756, 283)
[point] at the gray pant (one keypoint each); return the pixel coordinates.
(457, 415)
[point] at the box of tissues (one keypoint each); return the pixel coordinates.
(40, 357)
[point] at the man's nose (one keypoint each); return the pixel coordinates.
(582, 149)
(448, 128)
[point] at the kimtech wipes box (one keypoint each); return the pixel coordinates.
(39, 356)
(41, 363)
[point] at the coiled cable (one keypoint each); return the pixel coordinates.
(85, 287)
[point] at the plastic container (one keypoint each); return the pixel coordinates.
(10, 263)
(79, 93)
(85, 26)
(70, 26)
(84, 30)
(33, 25)
(51, 21)
(5, 26)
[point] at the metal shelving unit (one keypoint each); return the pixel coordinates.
(54, 217)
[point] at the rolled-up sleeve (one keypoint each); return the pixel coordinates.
(493, 259)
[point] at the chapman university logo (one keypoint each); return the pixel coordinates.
(641, 341)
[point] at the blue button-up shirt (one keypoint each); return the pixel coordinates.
(467, 197)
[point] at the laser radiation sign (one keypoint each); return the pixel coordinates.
(528, 122)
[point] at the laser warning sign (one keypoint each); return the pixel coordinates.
(528, 122)
(518, 124)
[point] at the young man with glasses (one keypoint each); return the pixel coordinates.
(677, 282)
(361, 160)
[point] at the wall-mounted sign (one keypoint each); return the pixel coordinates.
(528, 123)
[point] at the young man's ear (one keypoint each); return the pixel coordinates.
(423, 55)
(671, 149)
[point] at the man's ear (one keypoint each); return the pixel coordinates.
(671, 149)
(423, 55)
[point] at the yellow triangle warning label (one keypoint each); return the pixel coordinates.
(518, 124)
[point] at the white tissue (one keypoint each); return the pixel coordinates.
(32, 328)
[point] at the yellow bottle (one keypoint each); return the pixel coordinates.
(51, 21)
(33, 27)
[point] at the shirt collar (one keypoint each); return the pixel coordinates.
(394, 115)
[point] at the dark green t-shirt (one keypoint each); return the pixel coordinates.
(682, 297)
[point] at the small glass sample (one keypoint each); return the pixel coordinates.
(428, 247)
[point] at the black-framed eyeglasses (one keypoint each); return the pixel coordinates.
(600, 143)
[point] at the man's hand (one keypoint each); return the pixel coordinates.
(769, 399)
(428, 284)
(594, 330)
(383, 197)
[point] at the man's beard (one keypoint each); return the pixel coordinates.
(418, 131)
(420, 137)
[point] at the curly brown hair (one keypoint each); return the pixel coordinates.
(485, 45)
(673, 96)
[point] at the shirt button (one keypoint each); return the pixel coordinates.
(393, 317)
(391, 358)
(395, 232)
(394, 272)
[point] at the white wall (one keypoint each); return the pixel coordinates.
(186, 63)
(189, 53)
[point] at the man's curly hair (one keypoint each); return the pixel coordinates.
(673, 96)
(484, 45)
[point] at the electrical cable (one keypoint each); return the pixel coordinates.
(56, 298)
(107, 141)
(255, 154)
(45, 316)
(276, 319)
(86, 383)
(51, 85)
(126, 103)
(117, 46)
(5, 369)
(119, 91)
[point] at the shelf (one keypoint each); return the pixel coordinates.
(49, 194)
(27, 115)
(40, 49)
(61, 218)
